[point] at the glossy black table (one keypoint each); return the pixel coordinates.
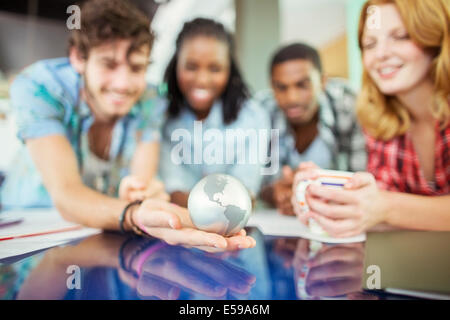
(112, 266)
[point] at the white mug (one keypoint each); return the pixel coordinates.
(329, 178)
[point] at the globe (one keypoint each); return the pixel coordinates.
(219, 203)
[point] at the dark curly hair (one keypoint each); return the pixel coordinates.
(236, 91)
(103, 21)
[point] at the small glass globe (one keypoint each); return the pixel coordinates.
(220, 203)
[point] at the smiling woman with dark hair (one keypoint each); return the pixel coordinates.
(235, 92)
(205, 85)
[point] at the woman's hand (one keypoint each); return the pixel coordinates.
(132, 188)
(173, 224)
(305, 171)
(350, 211)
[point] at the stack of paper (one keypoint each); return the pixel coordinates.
(272, 223)
(40, 229)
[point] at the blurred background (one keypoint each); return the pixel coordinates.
(31, 30)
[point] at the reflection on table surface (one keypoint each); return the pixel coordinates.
(111, 266)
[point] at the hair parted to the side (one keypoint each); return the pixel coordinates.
(103, 21)
(236, 91)
(428, 24)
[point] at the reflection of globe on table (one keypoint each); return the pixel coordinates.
(219, 203)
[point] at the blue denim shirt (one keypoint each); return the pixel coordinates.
(206, 152)
(45, 101)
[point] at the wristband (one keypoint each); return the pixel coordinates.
(124, 213)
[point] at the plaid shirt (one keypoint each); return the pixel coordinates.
(396, 167)
(340, 144)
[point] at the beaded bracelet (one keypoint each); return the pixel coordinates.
(124, 213)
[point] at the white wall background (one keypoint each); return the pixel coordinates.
(316, 22)
(25, 40)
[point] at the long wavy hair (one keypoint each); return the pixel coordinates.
(236, 91)
(428, 24)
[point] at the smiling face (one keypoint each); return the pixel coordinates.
(113, 81)
(296, 85)
(394, 62)
(203, 70)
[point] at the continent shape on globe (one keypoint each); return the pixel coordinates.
(214, 187)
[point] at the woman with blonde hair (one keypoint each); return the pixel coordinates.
(404, 109)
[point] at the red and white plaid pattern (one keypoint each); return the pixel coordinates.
(395, 164)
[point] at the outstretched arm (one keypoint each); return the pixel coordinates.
(57, 164)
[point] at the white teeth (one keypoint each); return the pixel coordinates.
(387, 70)
(201, 93)
(115, 95)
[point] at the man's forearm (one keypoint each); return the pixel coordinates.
(90, 208)
(266, 195)
(56, 162)
(418, 212)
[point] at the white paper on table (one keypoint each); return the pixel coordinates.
(272, 223)
(23, 246)
(38, 221)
